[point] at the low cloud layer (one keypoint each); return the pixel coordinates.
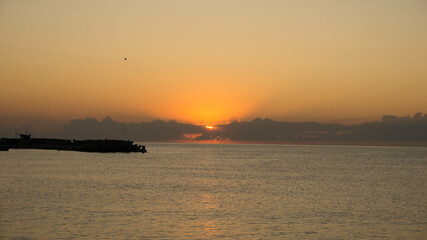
(157, 130)
(389, 129)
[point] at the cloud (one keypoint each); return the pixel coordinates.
(157, 130)
(389, 129)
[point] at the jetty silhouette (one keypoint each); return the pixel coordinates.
(105, 145)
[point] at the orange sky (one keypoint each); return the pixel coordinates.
(203, 62)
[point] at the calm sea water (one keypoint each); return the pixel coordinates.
(197, 191)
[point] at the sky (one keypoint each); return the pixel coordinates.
(206, 62)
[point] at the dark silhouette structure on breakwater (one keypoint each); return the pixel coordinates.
(106, 146)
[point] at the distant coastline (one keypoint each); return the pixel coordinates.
(306, 143)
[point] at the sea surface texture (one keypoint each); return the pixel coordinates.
(198, 191)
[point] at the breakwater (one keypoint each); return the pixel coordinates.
(106, 145)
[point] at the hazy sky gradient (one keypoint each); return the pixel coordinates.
(203, 62)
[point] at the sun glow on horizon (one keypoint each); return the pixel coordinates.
(209, 127)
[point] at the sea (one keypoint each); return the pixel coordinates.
(215, 191)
